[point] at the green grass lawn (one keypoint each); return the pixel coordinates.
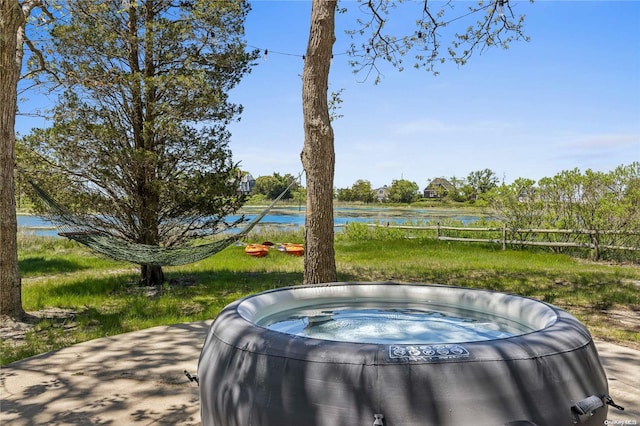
(100, 297)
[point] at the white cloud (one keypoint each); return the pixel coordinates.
(605, 141)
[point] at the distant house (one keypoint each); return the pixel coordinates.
(438, 188)
(381, 194)
(247, 182)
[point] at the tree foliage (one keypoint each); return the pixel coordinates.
(360, 191)
(437, 33)
(139, 132)
(403, 191)
(592, 201)
(481, 182)
(274, 185)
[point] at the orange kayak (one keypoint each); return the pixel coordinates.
(292, 249)
(256, 250)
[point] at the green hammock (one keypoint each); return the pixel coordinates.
(144, 254)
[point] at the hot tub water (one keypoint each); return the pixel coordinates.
(390, 323)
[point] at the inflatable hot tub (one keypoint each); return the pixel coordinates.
(351, 354)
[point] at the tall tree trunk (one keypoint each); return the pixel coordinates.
(151, 274)
(318, 156)
(147, 193)
(11, 19)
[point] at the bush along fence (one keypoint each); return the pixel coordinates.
(556, 239)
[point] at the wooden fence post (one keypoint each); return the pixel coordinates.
(504, 236)
(596, 245)
(437, 230)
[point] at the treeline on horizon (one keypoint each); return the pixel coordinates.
(569, 200)
(575, 200)
(479, 187)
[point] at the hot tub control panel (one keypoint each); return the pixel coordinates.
(427, 353)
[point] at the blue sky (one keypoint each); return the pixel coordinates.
(568, 98)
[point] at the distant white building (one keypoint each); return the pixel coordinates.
(382, 193)
(247, 182)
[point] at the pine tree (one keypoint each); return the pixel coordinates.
(139, 133)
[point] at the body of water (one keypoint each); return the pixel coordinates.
(28, 224)
(294, 217)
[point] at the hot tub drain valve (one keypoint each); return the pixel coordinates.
(192, 378)
(609, 401)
